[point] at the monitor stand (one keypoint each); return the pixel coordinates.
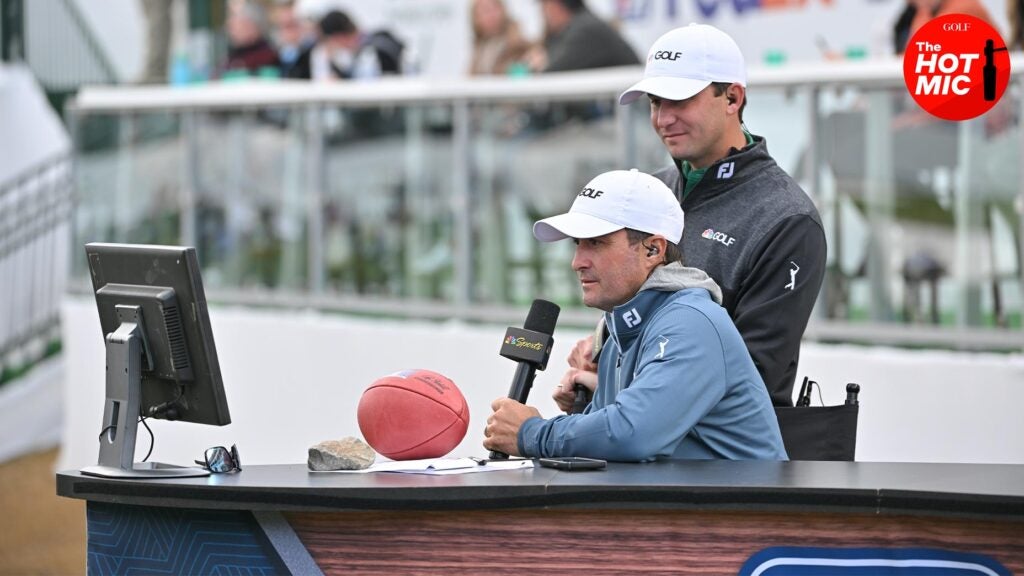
(121, 409)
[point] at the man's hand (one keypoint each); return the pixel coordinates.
(582, 354)
(582, 370)
(565, 394)
(502, 431)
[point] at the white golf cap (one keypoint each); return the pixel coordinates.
(613, 201)
(686, 60)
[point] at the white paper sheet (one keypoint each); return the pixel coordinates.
(443, 466)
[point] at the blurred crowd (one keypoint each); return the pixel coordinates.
(272, 38)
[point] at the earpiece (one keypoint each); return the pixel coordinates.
(652, 250)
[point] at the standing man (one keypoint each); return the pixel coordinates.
(750, 226)
(576, 39)
(675, 379)
(295, 38)
(346, 52)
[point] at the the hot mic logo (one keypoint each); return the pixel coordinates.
(520, 342)
(956, 67)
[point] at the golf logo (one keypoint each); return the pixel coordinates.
(956, 67)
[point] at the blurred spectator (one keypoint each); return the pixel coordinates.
(1015, 13)
(918, 12)
(497, 42)
(576, 39)
(344, 51)
(249, 51)
(158, 40)
(294, 37)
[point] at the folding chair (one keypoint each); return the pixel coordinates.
(820, 432)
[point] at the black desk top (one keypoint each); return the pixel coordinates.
(990, 490)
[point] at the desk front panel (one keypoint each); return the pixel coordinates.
(576, 541)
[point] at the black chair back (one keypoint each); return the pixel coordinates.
(819, 432)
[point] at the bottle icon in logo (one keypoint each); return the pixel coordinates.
(989, 71)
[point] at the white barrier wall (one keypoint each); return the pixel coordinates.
(294, 379)
(30, 131)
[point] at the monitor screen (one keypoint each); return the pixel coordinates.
(161, 358)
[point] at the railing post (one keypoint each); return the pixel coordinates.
(189, 178)
(126, 194)
(880, 190)
(812, 178)
(966, 223)
(12, 31)
(315, 198)
(461, 204)
(625, 134)
(1020, 190)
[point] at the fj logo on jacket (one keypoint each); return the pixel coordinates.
(725, 170)
(718, 237)
(632, 318)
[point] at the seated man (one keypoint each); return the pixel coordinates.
(675, 379)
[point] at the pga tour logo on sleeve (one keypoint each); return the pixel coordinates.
(956, 67)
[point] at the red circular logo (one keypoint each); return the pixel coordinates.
(956, 67)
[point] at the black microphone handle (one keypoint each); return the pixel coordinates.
(522, 381)
(579, 403)
(519, 391)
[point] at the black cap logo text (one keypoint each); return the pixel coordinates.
(667, 55)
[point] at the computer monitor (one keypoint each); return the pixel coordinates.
(161, 359)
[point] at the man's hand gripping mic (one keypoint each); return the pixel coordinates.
(530, 346)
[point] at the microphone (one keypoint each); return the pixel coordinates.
(804, 397)
(852, 390)
(579, 403)
(530, 346)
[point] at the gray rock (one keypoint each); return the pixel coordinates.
(346, 454)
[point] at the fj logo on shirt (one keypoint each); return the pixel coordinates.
(725, 170)
(718, 237)
(631, 318)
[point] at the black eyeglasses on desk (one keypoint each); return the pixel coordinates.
(220, 460)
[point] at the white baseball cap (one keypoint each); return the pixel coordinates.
(686, 60)
(613, 201)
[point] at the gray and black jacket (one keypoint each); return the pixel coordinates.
(759, 236)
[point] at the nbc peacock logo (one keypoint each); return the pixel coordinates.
(521, 342)
(709, 233)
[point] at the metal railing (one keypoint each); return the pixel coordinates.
(410, 197)
(35, 231)
(61, 48)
